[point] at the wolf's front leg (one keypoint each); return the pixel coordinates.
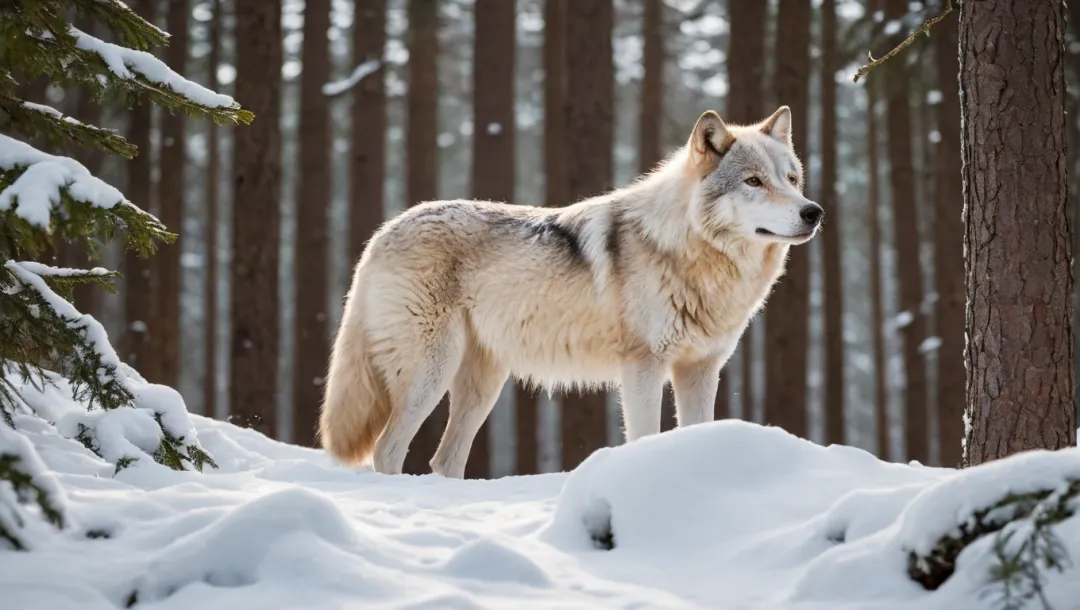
(641, 392)
(695, 389)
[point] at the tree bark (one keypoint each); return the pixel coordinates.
(877, 310)
(788, 311)
(493, 141)
(906, 222)
(422, 172)
(213, 201)
(367, 169)
(166, 315)
(949, 250)
(256, 218)
(652, 86)
(745, 104)
(311, 348)
(590, 75)
(138, 281)
(1017, 236)
(831, 252)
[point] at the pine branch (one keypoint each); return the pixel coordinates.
(32, 120)
(923, 29)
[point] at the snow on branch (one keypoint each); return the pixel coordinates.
(37, 191)
(359, 73)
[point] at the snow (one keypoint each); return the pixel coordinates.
(358, 74)
(721, 515)
(129, 64)
(36, 192)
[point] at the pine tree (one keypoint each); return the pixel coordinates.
(47, 199)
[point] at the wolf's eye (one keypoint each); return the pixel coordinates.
(753, 181)
(792, 178)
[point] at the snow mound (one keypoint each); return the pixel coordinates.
(489, 560)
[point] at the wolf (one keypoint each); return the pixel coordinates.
(643, 285)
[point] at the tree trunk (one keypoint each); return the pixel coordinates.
(652, 86)
(493, 141)
(788, 311)
(171, 191)
(213, 200)
(745, 104)
(421, 173)
(367, 170)
(256, 218)
(138, 281)
(590, 75)
(831, 253)
(906, 222)
(312, 345)
(877, 310)
(1017, 236)
(949, 250)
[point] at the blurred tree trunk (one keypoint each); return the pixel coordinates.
(590, 76)
(652, 86)
(906, 222)
(787, 314)
(949, 250)
(166, 315)
(877, 310)
(526, 404)
(213, 202)
(367, 170)
(256, 218)
(422, 172)
(1020, 360)
(312, 345)
(493, 141)
(745, 104)
(831, 253)
(138, 281)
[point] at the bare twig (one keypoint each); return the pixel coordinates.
(923, 29)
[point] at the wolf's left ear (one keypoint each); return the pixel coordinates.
(711, 138)
(778, 125)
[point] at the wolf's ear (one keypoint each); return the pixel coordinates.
(778, 125)
(710, 140)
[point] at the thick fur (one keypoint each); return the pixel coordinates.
(653, 282)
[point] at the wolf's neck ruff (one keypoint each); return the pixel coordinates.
(656, 281)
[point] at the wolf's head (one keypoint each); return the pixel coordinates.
(749, 182)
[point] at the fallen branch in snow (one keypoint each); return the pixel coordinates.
(1045, 508)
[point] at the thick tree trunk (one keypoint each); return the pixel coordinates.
(788, 311)
(877, 310)
(652, 86)
(367, 169)
(906, 222)
(949, 250)
(493, 140)
(312, 346)
(171, 191)
(422, 172)
(745, 104)
(590, 75)
(831, 253)
(213, 201)
(138, 280)
(1017, 236)
(256, 218)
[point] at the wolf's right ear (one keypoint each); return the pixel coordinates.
(711, 139)
(778, 125)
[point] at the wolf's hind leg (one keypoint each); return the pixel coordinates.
(695, 386)
(472, 395)
(416, 399)
(641, 391)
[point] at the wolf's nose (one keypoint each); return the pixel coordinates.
(811, 214)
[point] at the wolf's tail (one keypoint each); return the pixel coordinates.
(356, 404)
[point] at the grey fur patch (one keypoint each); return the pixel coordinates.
(549, 231)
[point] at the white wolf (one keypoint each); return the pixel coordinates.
(649, 283)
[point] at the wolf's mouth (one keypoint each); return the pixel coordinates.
(765, 232)
(769, 233)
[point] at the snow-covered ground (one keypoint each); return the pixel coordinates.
(726, 515)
